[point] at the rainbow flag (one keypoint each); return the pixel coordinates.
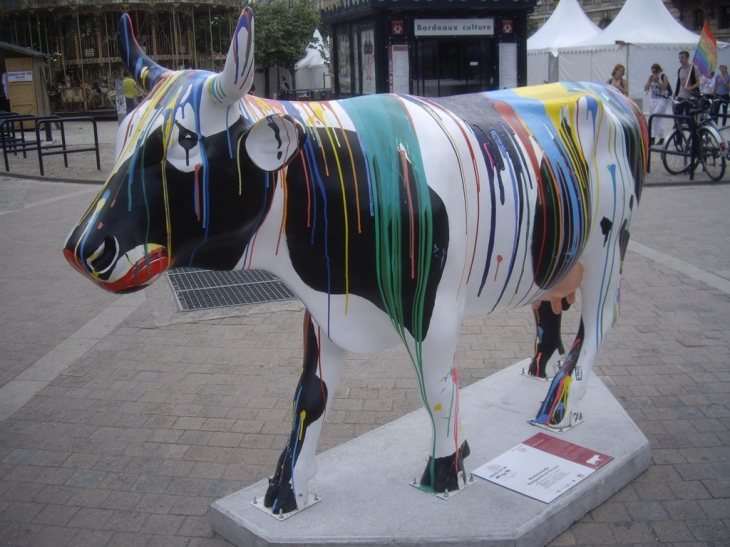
(705, 58)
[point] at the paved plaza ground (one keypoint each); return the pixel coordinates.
(122, 419)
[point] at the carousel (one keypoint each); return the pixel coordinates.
(79, 39)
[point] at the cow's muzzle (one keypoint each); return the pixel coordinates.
(116, 272)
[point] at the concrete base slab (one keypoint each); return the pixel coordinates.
(367, 500)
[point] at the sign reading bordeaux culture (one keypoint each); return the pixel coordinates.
(454, 27)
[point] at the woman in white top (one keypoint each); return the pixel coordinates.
(658, 84)
(707, 85)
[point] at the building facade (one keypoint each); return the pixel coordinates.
(79, 40)
(433, 48)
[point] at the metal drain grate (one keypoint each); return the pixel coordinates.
(205, 289)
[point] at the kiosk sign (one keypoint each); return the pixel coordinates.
(454, 27)
(20, 76)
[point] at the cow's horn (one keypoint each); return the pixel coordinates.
(143, 69)
(237, 76)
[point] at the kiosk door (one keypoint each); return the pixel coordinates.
(453, 66)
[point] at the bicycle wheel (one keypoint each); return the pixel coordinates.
(712, 156)
(676, 157)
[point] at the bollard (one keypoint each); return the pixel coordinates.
(121, 103)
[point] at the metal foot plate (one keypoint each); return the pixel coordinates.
(463, 485)
(574, 420)
(551, 370)
(258, 503)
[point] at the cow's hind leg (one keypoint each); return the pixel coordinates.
(288, 488)
(600, 296)
(548, 341)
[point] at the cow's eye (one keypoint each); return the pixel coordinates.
(187, 140)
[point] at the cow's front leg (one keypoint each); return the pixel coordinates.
(439, 384)
(288, 488)
(548, 340)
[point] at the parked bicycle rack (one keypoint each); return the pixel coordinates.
(694, 146)
(13, 139)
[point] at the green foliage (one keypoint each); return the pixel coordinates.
(282, 31)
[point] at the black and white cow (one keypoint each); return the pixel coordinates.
(390, 216)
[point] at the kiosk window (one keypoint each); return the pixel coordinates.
(453, 66)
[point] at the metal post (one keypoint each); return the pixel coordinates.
(195, 45)
(80, 59)
(174, 40)
(40, 39)
(121, 101)
(210, 28)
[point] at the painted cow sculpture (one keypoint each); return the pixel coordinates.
(390, 216)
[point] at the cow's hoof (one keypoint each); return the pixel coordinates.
(544, 367)
(537, 367)
(280, 497)
(446, 471)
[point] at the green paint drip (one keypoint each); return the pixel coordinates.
(383, 142)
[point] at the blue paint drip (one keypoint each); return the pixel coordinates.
(518, 214)
(228, 134)
(320, 184)
(367, 171)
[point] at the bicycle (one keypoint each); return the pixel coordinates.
(695, 140)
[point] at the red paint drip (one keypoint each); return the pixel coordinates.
(197, 189)
(499, 261)
(411, 213)
(100, 226)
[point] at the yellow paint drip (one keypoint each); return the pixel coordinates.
(437, 407)
(302, 415)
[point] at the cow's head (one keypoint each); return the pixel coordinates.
(192, 179)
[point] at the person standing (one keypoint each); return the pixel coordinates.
(130, 90)
(722, 94)
(688, 80)
(707, 85)
(283, 89)
(617, 79)
(658, 85)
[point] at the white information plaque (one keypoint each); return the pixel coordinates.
(543, 467)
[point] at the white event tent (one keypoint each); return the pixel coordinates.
(311, 72)
(567, 25)
(643, 33)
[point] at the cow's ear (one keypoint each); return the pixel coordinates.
(274, 141)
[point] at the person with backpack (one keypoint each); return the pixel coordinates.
(660, 88)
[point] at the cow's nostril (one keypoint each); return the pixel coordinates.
(105, 256)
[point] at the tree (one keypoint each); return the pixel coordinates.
(282, 31)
